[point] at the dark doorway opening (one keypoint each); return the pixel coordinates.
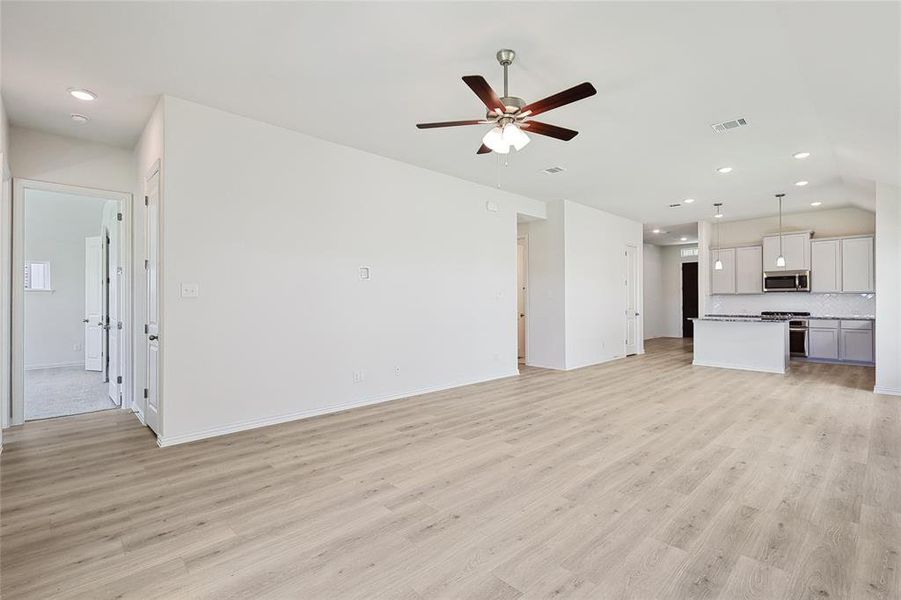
(689, 298)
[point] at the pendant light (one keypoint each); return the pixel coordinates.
(718, 264)
(780, 260)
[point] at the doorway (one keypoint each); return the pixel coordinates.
(522, 269)
(69, 301)
(632, 314)
(689, 298)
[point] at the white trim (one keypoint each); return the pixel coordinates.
(737, 368)
(54, 365)
(164, 441)
(887, 391)
(17, 375)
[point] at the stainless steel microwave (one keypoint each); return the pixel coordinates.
(786, 281)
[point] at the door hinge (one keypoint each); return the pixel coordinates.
(118, 216)
(146, 328)
(146, 264)
(145, 392)
(119, 325)
(119, 380)
(146, 200)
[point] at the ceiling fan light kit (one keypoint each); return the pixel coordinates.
(511, 116)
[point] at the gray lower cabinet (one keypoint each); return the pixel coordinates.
(822, 342)
(856, 345)
(847, 341)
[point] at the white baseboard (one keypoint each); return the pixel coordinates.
(737, 368)
(55, 366)
(165, 441)
(887, 391)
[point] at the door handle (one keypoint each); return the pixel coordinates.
(152, 337)
(85, 321)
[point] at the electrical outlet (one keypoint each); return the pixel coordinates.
(397, 371)
(358, 376)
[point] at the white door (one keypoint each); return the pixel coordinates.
(631, 300)
(521, 296)
(113, 358)
(152, 322)
(93, 304)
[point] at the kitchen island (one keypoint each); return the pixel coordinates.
(746, 343)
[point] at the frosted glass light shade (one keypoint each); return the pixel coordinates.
(514, 136)
(718, 265)
(780, 261)
(494, 139)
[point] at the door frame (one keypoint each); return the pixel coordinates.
(16, 408)
(523, 239)
(635, 277)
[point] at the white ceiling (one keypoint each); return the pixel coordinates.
(814, 76)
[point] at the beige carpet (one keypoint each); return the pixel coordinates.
(64, 391)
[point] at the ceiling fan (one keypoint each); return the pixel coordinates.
(510, 116)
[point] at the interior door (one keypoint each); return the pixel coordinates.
(631, 301)
(689, 298)
(113, 358)
(521, 297)
(152, 322)
(94, 312)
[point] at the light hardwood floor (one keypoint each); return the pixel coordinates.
(644, 478)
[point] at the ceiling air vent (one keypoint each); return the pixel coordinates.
(727, 125)
(554, 170)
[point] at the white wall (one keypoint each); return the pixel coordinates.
(888, 289)
(56, 159)
(56, 226)
(595, 267)
(5, 275)
(824, 223)
(663, 290)
(273, 225)
(149, 149)
(547, 320)
(652, 259)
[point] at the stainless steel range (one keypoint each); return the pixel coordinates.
(797, 328)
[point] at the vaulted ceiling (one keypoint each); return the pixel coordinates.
(821, 77)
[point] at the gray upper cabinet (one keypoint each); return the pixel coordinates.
(825, 266)
(857, 265)
(723, 281)
(749, 270)
(795, 249)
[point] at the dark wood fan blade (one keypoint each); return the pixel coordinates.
(573, 94)
(561, 133)
(483, 149)
(487, 95)
(450, 124)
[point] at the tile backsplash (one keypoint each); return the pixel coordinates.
(840, 305)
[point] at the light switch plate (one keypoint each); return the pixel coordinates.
(190, 290)
(491, 206)
(365, 273)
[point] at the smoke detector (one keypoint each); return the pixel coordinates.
(727, 125)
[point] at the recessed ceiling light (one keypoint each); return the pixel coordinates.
(801, 154)
(655, 231)
(82, 94)
(801, 183)
(79, 118)
(683, 239)
(724, 170)
(815, 203)
(688, 200)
